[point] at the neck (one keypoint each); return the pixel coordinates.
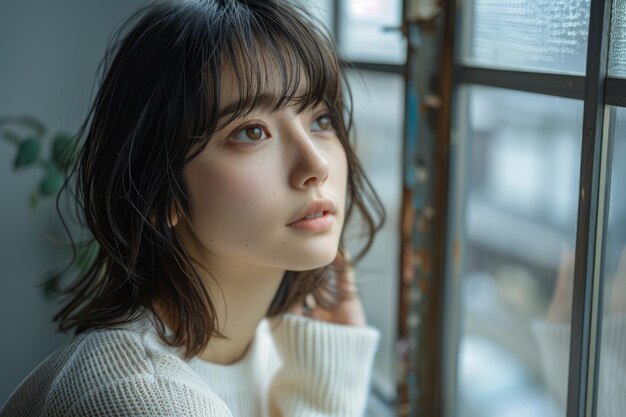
(241, 296)
(245, 301)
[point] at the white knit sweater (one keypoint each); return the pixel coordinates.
(303, 367)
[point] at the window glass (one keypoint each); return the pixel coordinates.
(516, 174)
(321, 10)
(530, 35)
(617, 50)
(612, 373)
(378, 120)
(363, 37)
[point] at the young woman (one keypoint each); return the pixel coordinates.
(216, 176)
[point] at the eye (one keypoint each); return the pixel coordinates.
(322, 123)
(255, 133)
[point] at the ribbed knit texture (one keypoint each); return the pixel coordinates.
(554, 340)
(314, 387)
(303, 367)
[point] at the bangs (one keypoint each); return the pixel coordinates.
(277, 57)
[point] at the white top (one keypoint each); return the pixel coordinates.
(303, 367)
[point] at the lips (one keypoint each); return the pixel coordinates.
(323, 206)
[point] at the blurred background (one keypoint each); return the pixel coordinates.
(469, 119)
(50, 52)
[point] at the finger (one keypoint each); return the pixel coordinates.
(323, 315)
(310, 301)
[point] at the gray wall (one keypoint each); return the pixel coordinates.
(49, 52)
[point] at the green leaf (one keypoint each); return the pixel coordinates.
(11, 137)
(34, 200)
(34, 124)
(52, 182)
(27, 153)
(26, 121)
(62, 151)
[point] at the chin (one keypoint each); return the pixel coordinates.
(313, 259)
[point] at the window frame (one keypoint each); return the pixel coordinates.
(597, 91)
(403, 396)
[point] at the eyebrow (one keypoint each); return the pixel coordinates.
(265, 101)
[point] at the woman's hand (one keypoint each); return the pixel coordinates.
(348, 311)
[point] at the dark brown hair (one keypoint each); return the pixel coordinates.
(155, 110)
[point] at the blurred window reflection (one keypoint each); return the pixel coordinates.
(518, 171)
(612, 372)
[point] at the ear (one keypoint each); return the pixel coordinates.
(173, 220)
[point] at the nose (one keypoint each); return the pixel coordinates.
(309, 163)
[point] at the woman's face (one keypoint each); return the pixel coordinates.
(257, 175)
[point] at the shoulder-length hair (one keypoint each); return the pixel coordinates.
(155, 110)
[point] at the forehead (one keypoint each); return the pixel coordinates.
(272, 71)
(270, 89)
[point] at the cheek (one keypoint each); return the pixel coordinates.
(340, 167)
(227, 195)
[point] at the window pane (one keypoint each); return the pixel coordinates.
(378, 120)
(362, 36)
(535, 35)
(617, 51)
(516, 172)
(321, 10)
(612, 374)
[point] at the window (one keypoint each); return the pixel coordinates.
(369, 31)
(517, 176)
(535, 278)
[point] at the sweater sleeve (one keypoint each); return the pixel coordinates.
(149, 396)
(326, 368)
